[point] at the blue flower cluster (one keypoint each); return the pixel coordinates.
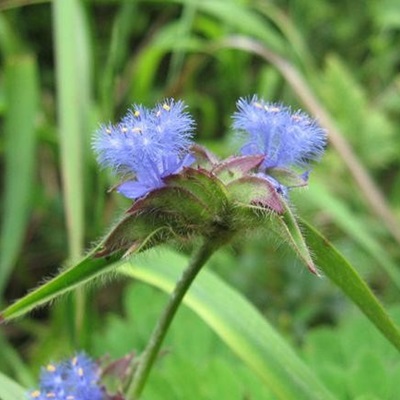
(149, 145)
(75, 379)
(146, 146)
(286, 139)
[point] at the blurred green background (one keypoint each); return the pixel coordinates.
(68, 65)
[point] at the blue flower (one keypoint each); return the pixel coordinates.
(288, 140)
(146, 146)
(75, 379)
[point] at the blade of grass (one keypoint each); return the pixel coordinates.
(11, 390)
(22, 93)
(238, 324)
(243, 19)
(8, 4)
(73, 86)
(83, 272)
(119, 45)
(339, 271)
(185, 27)
(328, 259)
(72, 89)
(318, 194)
(13, 361)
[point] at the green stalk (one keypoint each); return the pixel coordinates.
(73, 93)
(149, 355)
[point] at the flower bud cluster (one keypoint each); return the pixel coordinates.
(74, 379)
(148, 145)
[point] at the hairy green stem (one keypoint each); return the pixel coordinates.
(150, 353)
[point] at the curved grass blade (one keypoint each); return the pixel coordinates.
(353, 226)
(22, 97)
(12, 361)
(11, 390)
(238, 324)
(339, 270)
(86, 270)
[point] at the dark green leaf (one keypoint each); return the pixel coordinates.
(338, 270)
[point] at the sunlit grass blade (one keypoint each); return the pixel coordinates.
(339, 270)
(73, 83)
(72, 51)
(21, 93)
(11, 390)
(238, 324)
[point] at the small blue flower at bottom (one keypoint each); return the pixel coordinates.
(146, 146)
(74, 379)
(289, 140)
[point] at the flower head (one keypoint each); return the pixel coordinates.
(287, 139)
(148, 144)
(74, 379)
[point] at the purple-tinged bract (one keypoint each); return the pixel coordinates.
(74, 379)
(148, 144)
(287, 139)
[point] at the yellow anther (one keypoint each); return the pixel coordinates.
(35, 394)
(136, 113)
(108, 130)
(166, 107)
(51, 368)
(136, 130)
(80, 371)
(124, 129)
(74, 361)
(258, 105)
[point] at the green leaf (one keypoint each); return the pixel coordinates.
(354, 227)
(238, 324)
(289, 230)
(134, 231)
(12, 361)
(176, 201)
(86, 270)
(11, 390)
(203, 185)
(73, 88)
(241, 18)
(338, 270)
(21, 95)
(255, 190)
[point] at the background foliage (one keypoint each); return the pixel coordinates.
(68, 65)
